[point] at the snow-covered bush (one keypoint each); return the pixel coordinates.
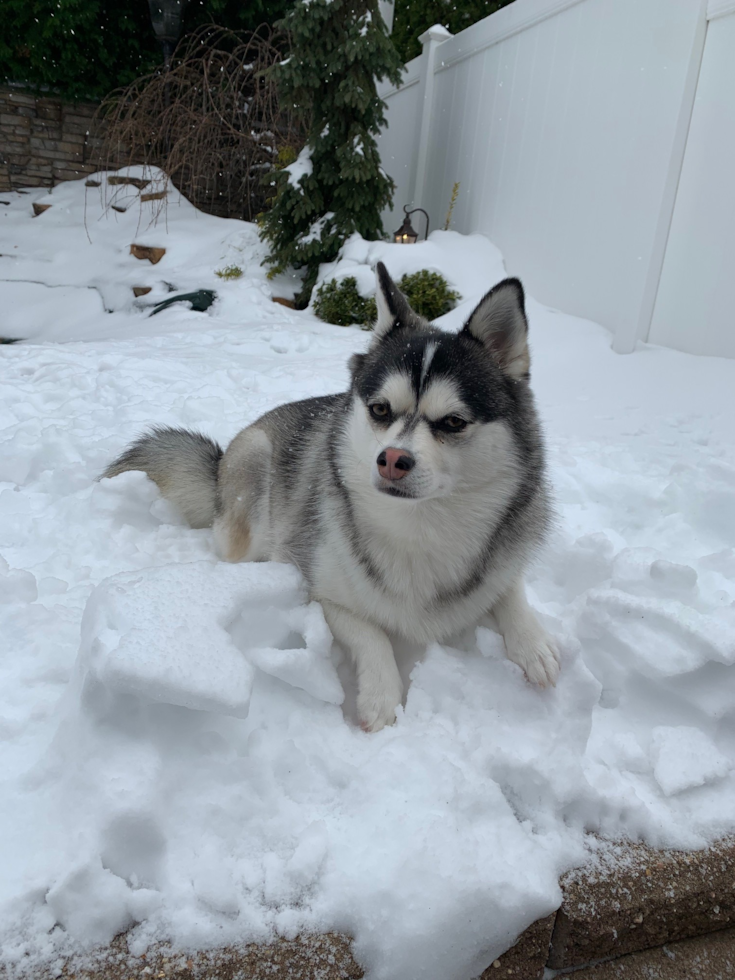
(429, 293)
(339, 300)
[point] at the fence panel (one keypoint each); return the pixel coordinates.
(565, 122)
(398, 142)
(695, 306)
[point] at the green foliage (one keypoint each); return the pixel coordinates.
(87, 48)
(229, 272)
(338, 300)
(339, 49)
(413, 17)
(428, 293)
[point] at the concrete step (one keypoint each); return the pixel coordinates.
(710, 957)
(633, 898)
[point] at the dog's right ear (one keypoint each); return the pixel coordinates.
(393, 307)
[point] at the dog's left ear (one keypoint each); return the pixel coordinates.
(393, 307)
(355, 363)
(499, 322)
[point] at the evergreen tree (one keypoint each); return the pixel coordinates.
(339, 49)
(87, 48)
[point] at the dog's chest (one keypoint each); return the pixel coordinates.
(419, 582)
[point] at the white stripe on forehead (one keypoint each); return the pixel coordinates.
(429, 352)
(398, 390)
(441, 398)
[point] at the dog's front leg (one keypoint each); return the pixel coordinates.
(379, 687)
(526, 642)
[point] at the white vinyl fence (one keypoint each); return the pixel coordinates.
(594, 141)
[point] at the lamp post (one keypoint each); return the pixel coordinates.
(407, 234)
(167, 17)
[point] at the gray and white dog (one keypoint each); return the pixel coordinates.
(411, 503)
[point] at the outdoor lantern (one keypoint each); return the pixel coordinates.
(167, 18)
(407, 234)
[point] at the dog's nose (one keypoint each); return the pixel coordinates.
(393, 464)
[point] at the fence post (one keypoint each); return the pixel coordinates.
(387, 10)
(431, 40)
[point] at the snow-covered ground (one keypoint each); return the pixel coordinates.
(177, 743)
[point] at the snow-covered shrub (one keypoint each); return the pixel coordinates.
(213, 122)
(429, 293)
(339, 300)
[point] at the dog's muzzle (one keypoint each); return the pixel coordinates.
(394, 464)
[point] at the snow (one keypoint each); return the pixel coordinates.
(684, 757)
(316, 230)
(467, 262)
(178, 744)
(300, 168)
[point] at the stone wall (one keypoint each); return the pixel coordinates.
(44, 140)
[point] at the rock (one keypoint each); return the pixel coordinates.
(285, 302)
(135, 181)
(141, 290)
(39, 208)
(154, 196)
(150, 252)
(92, 183)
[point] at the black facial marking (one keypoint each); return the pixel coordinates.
(488, 394)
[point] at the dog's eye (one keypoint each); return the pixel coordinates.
(452, 423)
(380, 410)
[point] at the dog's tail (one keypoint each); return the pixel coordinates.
(183, 464)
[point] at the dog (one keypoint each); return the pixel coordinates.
(412, 503)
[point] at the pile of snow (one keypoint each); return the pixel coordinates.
(60, 270)
(177, 736)
(470, 264)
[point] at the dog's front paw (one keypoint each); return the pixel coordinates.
(538, 657)
(377, 703)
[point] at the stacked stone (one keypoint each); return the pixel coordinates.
(44, 140)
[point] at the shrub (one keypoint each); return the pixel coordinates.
(338, 300)
(229, 272)
(428, 293)
(213, 122)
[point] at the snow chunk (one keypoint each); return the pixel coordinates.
(163, 634)
(309, 669)
(684, 757)
(94, 905)
(300, 168)
(16, 585)
(318, 226)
